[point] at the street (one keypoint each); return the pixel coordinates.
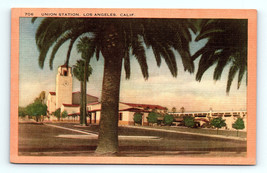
(69, 139)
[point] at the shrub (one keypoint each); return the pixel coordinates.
(189, 121)
(238, 124)
(57, 113)
(64, 114)
(218, 123)
(138, 118)
(168, 119)
(152, 117)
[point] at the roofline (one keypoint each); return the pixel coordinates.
(50, 92)
(130, 104)
(142, 104)
(86, 94)
(93, 103)
(78, 113)
(70, 105)
(137, 110)
(94, 110)
(203, 112)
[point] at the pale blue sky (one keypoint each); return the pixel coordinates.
(161, 88)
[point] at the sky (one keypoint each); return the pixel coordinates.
(160, 88)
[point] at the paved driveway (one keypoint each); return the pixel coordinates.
(64, 139)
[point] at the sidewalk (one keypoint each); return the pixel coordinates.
(154, 129)
(189, 133)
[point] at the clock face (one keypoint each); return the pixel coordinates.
(66, 83)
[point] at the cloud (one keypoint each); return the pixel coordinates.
(183, 91)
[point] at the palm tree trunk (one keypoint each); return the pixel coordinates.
(84, 113)
(112, 50)
(81, 101)
(108, 133)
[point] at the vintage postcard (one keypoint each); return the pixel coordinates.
(133, 86)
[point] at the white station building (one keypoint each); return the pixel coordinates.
(69, 101)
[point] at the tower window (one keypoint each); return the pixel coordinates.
(65, 73)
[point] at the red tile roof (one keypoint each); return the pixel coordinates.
(70, 105)
(93, 103)
(78, 113)
(145, 106)
(94, 110)
(134, 110)
(52, 93)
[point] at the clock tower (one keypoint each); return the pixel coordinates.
(63, 86)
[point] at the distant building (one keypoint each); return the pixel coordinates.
(67, 100)
(64, 98)
(126, 112)
(229, 116)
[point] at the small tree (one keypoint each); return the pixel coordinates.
(36, 109)
(189, 121)
(182, 109)
(218, 123)
(173, 109)
(138, 118)
(64, 114)
(165, 110)
(238, 124)
(152, 117)
(57, 113)
(22, 111)
(168, 119)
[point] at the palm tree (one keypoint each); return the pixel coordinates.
(115, 39)
(41, 97)
(173, 109)
(78, 71)
(227, 44)
(86, 49)
(182, 109)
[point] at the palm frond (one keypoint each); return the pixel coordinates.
(206, 61)
(138, 51)
(170, 60)
(230, 38)
(208, 33)
(59, 43)
(33, 19)
(200, 52)
(222, 62)
(127, 66)
(78, 70)
(69, 50)
(233, 70)
(157, 55)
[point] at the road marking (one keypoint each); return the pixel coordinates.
(139, 137)
(78, 136)
(74, 130)
(120, 137)
(92, 135)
